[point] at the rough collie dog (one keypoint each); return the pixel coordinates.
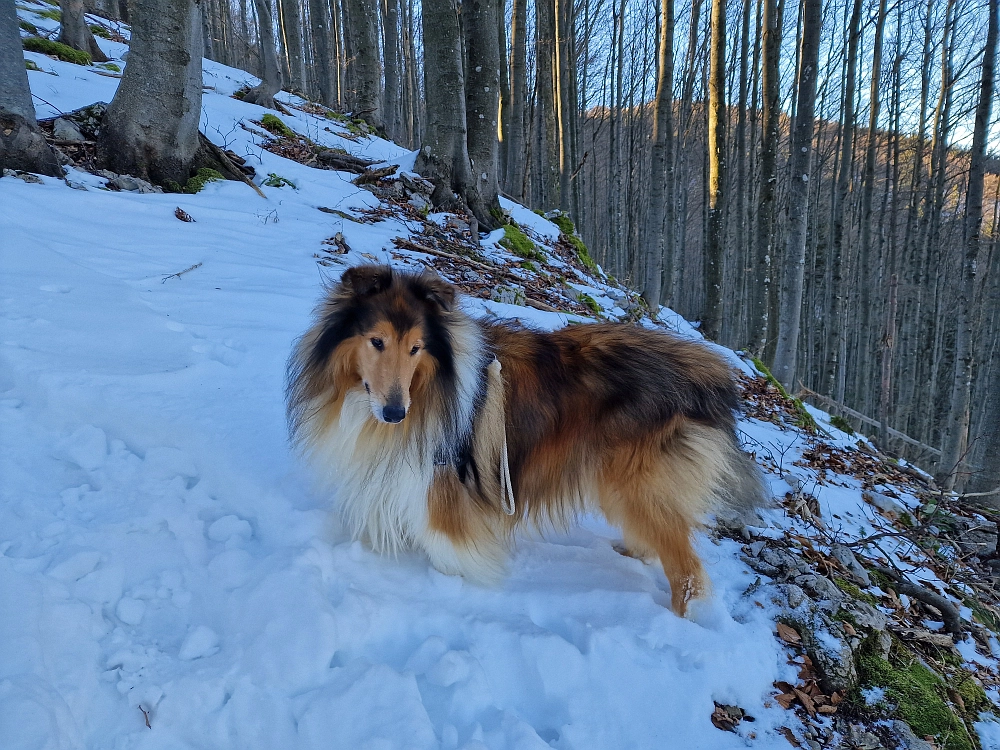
(446, 433)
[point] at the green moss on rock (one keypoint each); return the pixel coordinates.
(97, 30)
(201, 178)
(53, 14)
(55, 49)
(852, 590)
(804, 419)
(913, 693)
(275, 125)
(32, 65)
(28, 26)
(520, 244)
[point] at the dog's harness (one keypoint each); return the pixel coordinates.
(506, 486)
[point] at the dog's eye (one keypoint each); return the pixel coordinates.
(378, 344)
(415, 349)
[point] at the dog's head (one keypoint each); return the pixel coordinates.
(385, 330)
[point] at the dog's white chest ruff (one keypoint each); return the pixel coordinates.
(381, 478)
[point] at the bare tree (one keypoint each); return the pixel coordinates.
(364, 77)
(760, 320)
(515, 143)
(660, 234)
(74, 31)
(957, 429)
(482, 95)
(270, 83)
(790, 313)
(444, 155)
(712, 317)
(151, 127)
(21, 143)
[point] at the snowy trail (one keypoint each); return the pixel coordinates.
(167, 552)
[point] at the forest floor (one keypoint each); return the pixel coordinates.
(168, 579)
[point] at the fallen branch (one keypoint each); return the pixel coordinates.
(180, 273)
(374, 175)
(406, 244)
(145, 715)
(949, 612)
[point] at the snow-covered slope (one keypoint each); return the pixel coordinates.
(169, 580)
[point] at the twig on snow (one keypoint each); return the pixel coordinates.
(180, 273)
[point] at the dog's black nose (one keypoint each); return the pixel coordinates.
(393, 413)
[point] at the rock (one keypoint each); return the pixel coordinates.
(88, 119)
(843, 554)
(832, 654)
(824, 590)
(471, 276)
(891, 508)
(420, 202)
(66, 130)
(757, 547)
(862, 739)
(979, 538)
(130, 184)
(507, 295)
(416, 184)
(866, 615)
(794, 595)
(907, 739)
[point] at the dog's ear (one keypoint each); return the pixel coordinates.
(434, 289)
(362, 281)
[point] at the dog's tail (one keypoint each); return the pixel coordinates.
(741, 490)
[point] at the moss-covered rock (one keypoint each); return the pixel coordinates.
(97, 30)
(55, 49)
(841, 424)
(914, 693)
(803, 419)
(32, 65)
(110, 66)
(519, 243)
(28, 26)
(53, 14)
(201, 178)
(276, 125)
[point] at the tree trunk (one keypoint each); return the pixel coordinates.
(444, 156)
(74, 31)
(545, 86)
(715, 237)
(291, 29)
(482, 96)
(792, 279)
(950, 471)
(393, 68)
(364, 79)
(318, 22)
(659, 232)
(22, 145)
(151, 127)
(270, 84)
(835, 371)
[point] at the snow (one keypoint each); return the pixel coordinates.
(162, 555)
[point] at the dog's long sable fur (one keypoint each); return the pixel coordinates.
(391, 396)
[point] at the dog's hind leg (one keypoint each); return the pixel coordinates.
(649, 528)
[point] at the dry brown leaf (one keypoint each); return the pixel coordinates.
(789, 634)
(826, 709)
(789, 736)
(806, 701)
(785, 700)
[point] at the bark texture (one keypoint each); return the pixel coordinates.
(790, 313)
(74, 31)
(659, 238)
(444, 156)
(364, 78)
(21, 143)
(712, 318)
(270, 82)
(151, 127)
(482, 95)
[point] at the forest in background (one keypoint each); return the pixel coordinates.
(818, 183)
